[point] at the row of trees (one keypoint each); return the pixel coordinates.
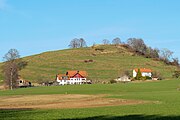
(139, 47)
(13, 64)
(115, 41)
(136, 45)
(77, 43)
(80, 42)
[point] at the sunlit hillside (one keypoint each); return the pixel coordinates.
(102, 62)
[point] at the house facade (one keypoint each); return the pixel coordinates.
(145, 72)
(72, 77)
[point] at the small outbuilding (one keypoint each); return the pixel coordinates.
(124, 78)
(23, 83)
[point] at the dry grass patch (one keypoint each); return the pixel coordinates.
(61, 101)
(1, 87)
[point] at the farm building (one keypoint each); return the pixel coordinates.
(72, 77)
(23, 83)
(124, 78)
(145, 72)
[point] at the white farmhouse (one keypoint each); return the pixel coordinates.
(145, 72)
(72, 77)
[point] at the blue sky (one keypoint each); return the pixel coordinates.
(35, 26)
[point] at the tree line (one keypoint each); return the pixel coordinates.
(165, 55)
(136, 45)
(80, 42)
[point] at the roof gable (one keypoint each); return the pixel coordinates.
(143, 70)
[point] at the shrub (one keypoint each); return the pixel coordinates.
(143, 78)
(128, 73)
(176, 74)
(148, 78)
(157, 75)
(113, 81)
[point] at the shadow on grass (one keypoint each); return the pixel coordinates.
(129, 117)
(24, 113)
(13, 113)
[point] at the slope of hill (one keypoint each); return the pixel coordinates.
(107, 63)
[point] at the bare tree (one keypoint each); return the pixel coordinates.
(105, 41)
(10, 74)
(137, 44)
(12, 55)
(155, 53)
(116, 41)
(175, 62)
(12, 65)
(77, 43)
(82, 42)
(166, 55)
(74, 43)
(152, 53)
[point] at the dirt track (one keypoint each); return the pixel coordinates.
(61, 101)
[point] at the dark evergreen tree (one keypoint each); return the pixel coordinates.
(139, 75)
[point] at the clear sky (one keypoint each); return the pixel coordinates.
(35, 26)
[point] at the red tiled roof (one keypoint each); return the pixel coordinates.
(72, 73)
(143, 70)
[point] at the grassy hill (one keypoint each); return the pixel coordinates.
(109, 62)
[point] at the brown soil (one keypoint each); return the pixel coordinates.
(61, 101)
(1, 87)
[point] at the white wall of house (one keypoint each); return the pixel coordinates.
(62, 82)
(149, 74)
(134, 73)
(71, 81)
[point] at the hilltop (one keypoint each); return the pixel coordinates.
(102, 62)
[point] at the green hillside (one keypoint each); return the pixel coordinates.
(109, 62)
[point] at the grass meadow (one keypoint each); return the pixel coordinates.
(164, 93)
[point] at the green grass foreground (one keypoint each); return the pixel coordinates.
(164, 92)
